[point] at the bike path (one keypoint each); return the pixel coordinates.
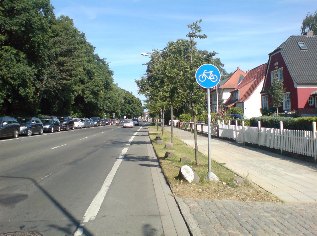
(291, 180)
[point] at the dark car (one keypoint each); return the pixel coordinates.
(236, 116)
(136, 122)
(30, 126)
(51, 124)
(67, 123)
(9, 127)
(95, 121)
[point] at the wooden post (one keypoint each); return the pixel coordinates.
(243, 130)
(259, 132)
(235, 129)
(281, 136)
(315, 140)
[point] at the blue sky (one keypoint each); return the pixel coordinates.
(242, 32)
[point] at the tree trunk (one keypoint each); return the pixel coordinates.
(156, 121)
(172, 123)
(195, 139)
(163, 117)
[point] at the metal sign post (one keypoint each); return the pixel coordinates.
(208, 76)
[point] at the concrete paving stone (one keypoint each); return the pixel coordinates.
(256, 218)
(293, 181)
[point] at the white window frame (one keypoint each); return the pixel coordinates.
(277, 74)
(287, 101)
(236, 95)
(311, 101)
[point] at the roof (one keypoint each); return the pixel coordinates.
(301, 62)
(249, 84)
(232, 81)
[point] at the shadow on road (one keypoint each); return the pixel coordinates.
(63, 230)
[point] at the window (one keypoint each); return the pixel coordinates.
(311, 101)
(302, 46)
(277, 74)
(241, 78)
(287, 102)
(265, 102)
(236, 95)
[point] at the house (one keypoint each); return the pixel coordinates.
(295, 63)
(224, 89)
(247, 94)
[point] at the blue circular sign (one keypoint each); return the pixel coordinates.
(207, 76)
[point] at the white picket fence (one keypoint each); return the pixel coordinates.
(301, 142)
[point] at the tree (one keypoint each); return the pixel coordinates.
(277, 92)
(310, 24)
(195, 95)
(24, 33)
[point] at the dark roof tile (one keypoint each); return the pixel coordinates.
(301, 64)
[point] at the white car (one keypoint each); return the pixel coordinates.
(78, 124)
(127, 124)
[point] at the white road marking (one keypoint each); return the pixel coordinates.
(95, 205)
(58, 146)
(46, 176)
(83, 138)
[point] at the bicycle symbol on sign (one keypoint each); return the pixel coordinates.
(207, 75)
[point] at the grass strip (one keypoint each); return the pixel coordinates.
(230, 187)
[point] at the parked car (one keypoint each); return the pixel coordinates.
(30, 126)
(67, 123)
(78, 124)
(136, 122)
(86, 122)
(127, 123)
(236, 116)
(9, 127)
(104, 122)
(96, 121)
(51, 124)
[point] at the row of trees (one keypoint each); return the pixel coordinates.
(170, 84)
(48, 67)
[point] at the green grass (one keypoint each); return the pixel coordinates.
(230, 186)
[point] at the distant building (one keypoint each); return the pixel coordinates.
(224, 89)
(247, 94)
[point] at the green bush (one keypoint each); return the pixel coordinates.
(185, 117)
(235, 110)
(300, 123)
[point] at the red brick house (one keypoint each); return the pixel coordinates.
(295, 63)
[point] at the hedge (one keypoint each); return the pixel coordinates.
(300, 123)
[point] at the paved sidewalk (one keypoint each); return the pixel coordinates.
(293, 181)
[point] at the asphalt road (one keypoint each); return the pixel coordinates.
(93, 181)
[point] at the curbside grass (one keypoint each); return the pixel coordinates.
(230, 187)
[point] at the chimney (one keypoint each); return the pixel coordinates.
(310, 33)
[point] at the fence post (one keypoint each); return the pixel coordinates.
(315, 141)
(243, 130)
(235, 130)
(281, 135)
(218, 121)
(259, 132)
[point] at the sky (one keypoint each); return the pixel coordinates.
(242, 32)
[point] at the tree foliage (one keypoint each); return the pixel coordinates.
(310, 24)
(48, 67)
(277, 92)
